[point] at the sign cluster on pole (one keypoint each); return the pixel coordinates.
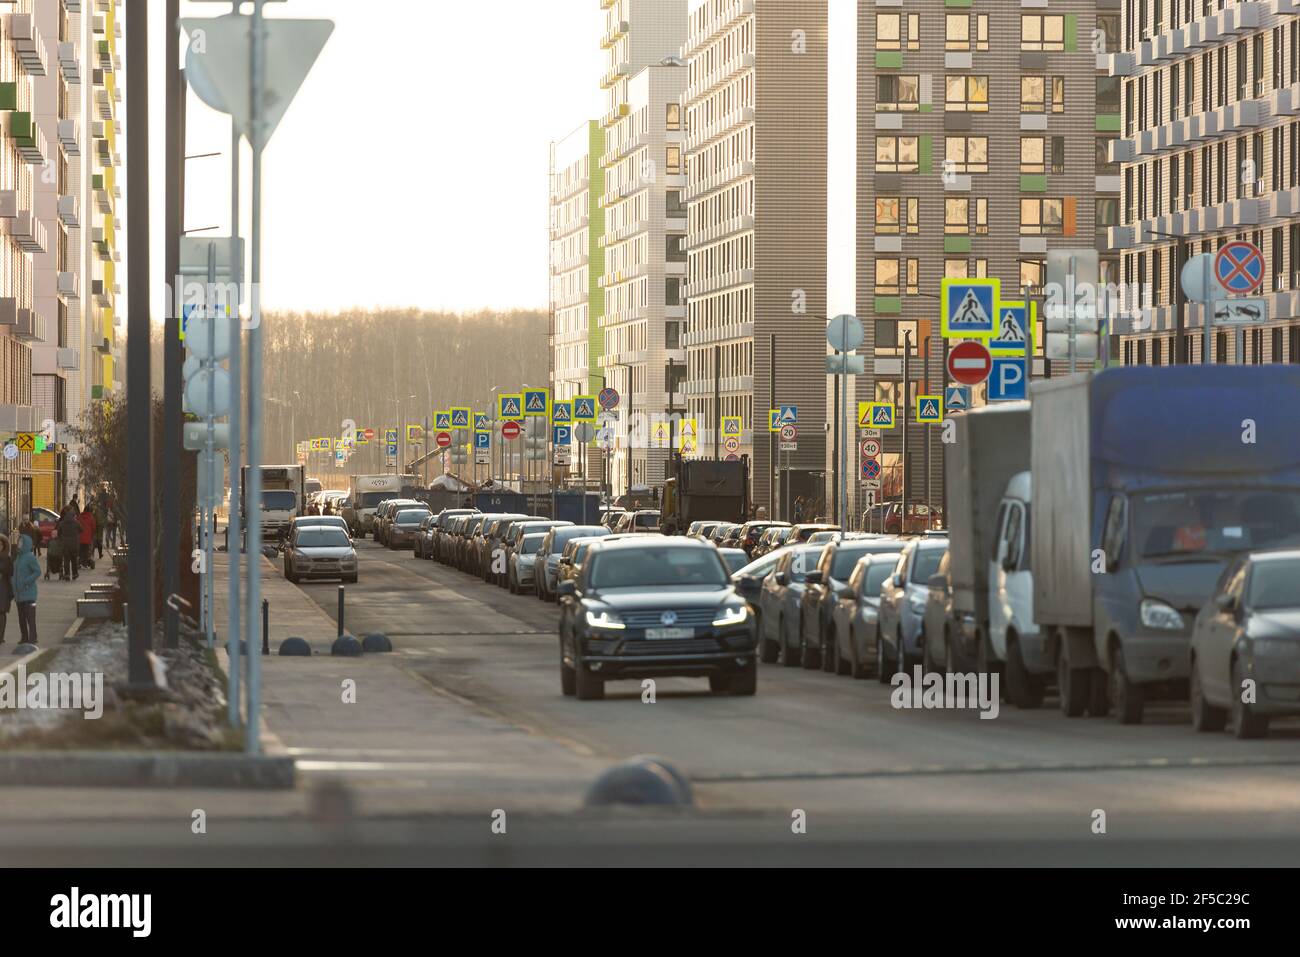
(997, 344)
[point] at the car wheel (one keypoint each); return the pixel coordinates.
(810, 657)
(587, 686)
(858, 669)
(928, 665)
(568, 677)
(884, 669)
(1026, 690)
(902, 663)
(842, 666)
(1246, 722)
(1126, 695)
(789, 656)
(768, 650)
(351, 579)
(745, 683)
(1072, 686)
(1205, 716)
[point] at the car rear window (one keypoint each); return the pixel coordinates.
(647, 521)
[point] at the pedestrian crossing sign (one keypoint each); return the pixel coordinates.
(481, 423)
(562, 413)
(360, 437)
(969, 308)
(442, 421)
(1015, 329)
(510, 406)
(536, 402)
(929, 408)
(412, 433)
(584, 408)
(732, 426)
(875, 415)
(460, 418)
(774, 420)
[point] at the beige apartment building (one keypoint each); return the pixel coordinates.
(755, 115)
(984, 139)
(643, 172)
(1210, 153)
(577, 258)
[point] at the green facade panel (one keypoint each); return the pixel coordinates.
(886, 305)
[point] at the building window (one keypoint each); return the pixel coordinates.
(1032, 154)
(956, 216)
(672, 159)
(1104, 167)
(897, 154)
(981, 217)
(914, 31)
(958, 32)
(968, 94)
(1041, 216)
(1042, 31)
(1108, 94)
(887, 223)
(674, 117)
(913, 215)
(897, 93)
(966, 154)
(1042, 94)
(886, 277)
(981, 31)
(956, 269)
(1058, 154)
(1107, 212)
(890, 336)
(913, 276)
(888, 27)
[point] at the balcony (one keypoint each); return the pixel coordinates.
(614, 115)
(67, 286)
(708, 284)
(70, 137)
(700, 136)
(69, 211)
(70, 62)
(30, 326)
(28, 43)
(715, 24)
(27, 231)
(103, 344)
(615, 73)
(725, 71)
(99, 290)
(104, 103)
(707, 184)
(623, 147)
(28, 137)
(613, 33)
(104, 55)
(68, 359)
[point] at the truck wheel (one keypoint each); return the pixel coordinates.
(587, 686)
(1026, 690)
(1072, 685)
(1205, 716)
(1246, 723)
(1126, 695)
(1099, 694)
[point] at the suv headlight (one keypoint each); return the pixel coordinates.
(1156, 614)
(731, 615)
(605, 619)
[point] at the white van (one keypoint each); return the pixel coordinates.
(1014, 637)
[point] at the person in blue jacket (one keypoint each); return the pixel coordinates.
(27, 571)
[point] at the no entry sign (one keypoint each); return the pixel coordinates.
(444, 439)
(969, 363)
(510, 430)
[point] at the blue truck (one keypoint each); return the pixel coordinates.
(1147, 480)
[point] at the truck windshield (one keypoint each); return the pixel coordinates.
(279, 500)
(1206, 521)
(371, 499)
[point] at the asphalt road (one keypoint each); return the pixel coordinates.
(834, 747)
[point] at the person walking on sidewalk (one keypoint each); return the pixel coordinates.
(100, 518)
(110, 517)
(27, 571)
(69, 531)
(86, 539)
(6, 585)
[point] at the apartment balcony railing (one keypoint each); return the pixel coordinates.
(104, 55)
(28, 137)
(721, 74)
(612, 34)
(614, 115)
(30, 326)
(615, 73)
(707, 184)
(70, 136)
(70, 62)
(613, 237)
(722, 280)
(70, 211)
(67, 286)
(28, 43)
(698, 137)
(27, 231)
(568, 228)
(715, 24)
(728, 227)
(625, 146)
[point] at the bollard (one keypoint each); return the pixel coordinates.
(266, 627)
(341, 591)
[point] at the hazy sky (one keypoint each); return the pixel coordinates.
(411, 169)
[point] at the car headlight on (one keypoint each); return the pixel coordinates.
(1156, 614)
(731, 615)
(604, 619)
(1276, 647)
(916, 603)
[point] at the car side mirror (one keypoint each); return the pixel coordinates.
(566, 561)
(748, 586)
(814, 577)
(780, 578)
(566, 589)
(1224, 602)
(938, 581)
(847, 593)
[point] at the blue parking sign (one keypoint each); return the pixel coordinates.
(561, 434)
(1008, 379)
(482, 440)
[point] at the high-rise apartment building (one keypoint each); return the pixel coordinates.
(755, 111)
(984, 136)
(1210, 153)
(645, 224)
(577, 259)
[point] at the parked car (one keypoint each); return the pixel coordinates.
(721, 532)
(522, 562)
(735, 559)
(1249, 630)
(855, 616)
(492, 536)
(888, 518)
(320, 551)
(902, 604)
(548, 556)
(609, 517)
(314, 521)
(779, 604)
(509, 535)
(654, 607)
(750, 533)
(643, 520)
(404, 525)
(939, 650)
(575, 552)
(801, 533)
(821, 586)
(772, 539)
(384, 515)
(702, 530)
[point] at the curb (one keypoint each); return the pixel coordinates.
(134, 769)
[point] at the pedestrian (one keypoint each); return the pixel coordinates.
(86, 539)
(54, 558)
(100, 516)
(6, 585)
(69, 532)
(110, 524)
(27, 571)
(33, 532)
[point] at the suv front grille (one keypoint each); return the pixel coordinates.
(689, 618)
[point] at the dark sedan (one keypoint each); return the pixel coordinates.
(654, 607)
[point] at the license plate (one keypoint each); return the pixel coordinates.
(670, 632)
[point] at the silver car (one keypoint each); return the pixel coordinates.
(548, 567)
(320, 552)
(902, 603)
(855, 615)
(522, 566)
(779, 604)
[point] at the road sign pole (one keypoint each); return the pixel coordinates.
(1074, 318)
(1208, 309)
(907, 352)
(771, 436)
